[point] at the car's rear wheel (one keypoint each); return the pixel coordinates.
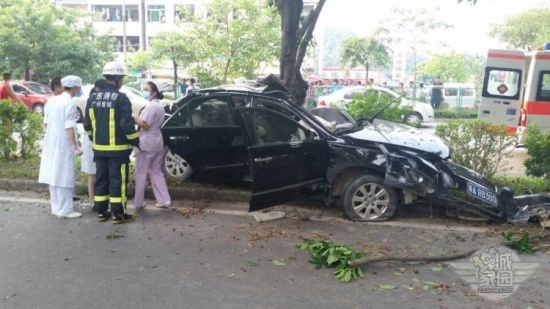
(78, 115)
(176, 166)
(38, 108)
(366, 198)
(415, 118)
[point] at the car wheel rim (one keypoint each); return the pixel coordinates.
(175, 165)
(370, 201)
(38, 109)
(77, 114)
(413, 119)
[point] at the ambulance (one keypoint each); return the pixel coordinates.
(516, 89)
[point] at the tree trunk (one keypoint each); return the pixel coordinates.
(176, 87)
(367, 73)
(294, 44)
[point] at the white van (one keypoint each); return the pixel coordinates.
(459, 95)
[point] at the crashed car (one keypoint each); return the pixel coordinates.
(256, 132)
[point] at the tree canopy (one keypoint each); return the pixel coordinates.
(40, 37)
(528, 29)
(452, 67)
(365, 52)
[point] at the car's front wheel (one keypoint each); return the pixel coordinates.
(38, 108)
(366, 198)
(175, 166)
(414, 118)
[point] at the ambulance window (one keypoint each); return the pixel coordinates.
(543, 91)
(502, 83)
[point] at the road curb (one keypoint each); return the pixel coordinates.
(192, 193)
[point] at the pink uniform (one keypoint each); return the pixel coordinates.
(149, 160)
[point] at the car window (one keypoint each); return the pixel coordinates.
(268, 127)
(203, 112)
(17, 88)
(38, 88)
(350, 95)
(276, 106)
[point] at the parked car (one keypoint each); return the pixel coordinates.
(138, 102)
(260, 135)
(422, 112)
(33, 94)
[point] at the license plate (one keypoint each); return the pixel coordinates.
(482, 194)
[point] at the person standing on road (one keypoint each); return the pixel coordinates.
(437, 93)
(88, 164)
(109, 124)
(149, 159)
(191, 88)
(6, 90)
(60, 149)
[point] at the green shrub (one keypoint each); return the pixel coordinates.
(12, 117)
(31, 132)
(523, 185)
(362, 107)
(477, 144)
(455, 113)
(537, 144)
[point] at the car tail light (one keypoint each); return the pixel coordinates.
(322, 103)
(523, 117)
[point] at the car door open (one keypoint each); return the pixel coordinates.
(284, 157)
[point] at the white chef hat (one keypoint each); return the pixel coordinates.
(70, 81)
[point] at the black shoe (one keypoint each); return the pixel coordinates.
(123, 218)
(104, 216)
(76, 198)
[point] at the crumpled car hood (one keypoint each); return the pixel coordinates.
(402, 135)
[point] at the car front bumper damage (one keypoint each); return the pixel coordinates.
(455, 186)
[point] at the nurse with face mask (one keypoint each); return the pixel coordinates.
(149, 159)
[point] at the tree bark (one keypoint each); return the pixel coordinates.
(295, 40)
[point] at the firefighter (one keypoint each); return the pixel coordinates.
(109, 125)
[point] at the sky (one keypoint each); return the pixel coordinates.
(470, 22)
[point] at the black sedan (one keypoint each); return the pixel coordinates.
(255, 132)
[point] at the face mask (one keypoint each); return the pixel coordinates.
(146, 95)
(79, 93)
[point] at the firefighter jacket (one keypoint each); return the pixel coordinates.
(109, 124)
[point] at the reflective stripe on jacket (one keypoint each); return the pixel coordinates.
(109, 124)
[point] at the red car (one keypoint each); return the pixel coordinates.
(33, 94)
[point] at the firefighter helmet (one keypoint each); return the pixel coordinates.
(114, 68)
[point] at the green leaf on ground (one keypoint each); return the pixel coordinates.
(387, 287)
(415, 280)
(427, 240)
(251, 264)
(398, 273)
(413, 263)
(431, 283)
(231, 275)
(437, 268)
(278, 263)
(115, 236)
(402, 269)
(368, 232)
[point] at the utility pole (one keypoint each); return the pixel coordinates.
(143, 23)
(124, 47)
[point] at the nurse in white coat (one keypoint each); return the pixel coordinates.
(59, 149)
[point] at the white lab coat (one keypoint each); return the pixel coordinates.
(58, 164)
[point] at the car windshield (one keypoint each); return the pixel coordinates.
(38, 88)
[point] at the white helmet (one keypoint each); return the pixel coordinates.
(114, 68)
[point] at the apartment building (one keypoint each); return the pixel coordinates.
(142, 20)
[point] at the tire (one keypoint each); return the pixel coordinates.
(359, 205)
(414, 118)
(38, 108)
(79, 117)
(175, 166)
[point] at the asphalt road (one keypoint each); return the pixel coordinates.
(186, 258)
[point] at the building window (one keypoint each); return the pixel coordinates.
(184, 12)
(109, 13)
(156, 14)
(132, 13)
(132, 44)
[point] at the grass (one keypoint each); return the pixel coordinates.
(29, 169)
